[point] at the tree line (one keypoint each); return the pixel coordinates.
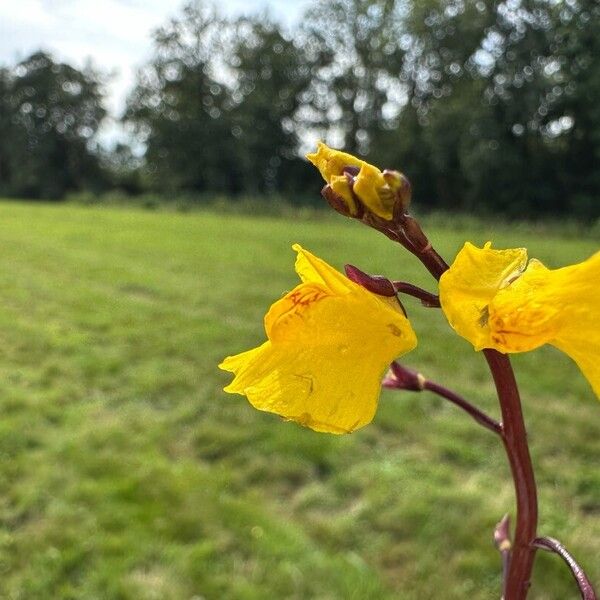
(485, 105)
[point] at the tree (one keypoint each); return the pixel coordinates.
(359, 50)
(6, 129)
(499, 101)
(270, 73)
(55, 112)
(216, 105)
(572, 120)
(181, 111)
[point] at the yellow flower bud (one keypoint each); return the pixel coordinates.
(331, 162)
(341, 186)
(373, 191)
(378, 192)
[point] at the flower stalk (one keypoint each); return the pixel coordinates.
(514, 437)
(496, 299)
(477, 414)
(403, 378)
(427, 298)
(512, 431)
(583, 583)
(380, 200)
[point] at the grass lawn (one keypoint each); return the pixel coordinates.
(125, 471)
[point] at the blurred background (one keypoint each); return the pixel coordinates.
(490, 106)
(152, 182)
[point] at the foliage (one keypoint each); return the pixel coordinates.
(180, 111)
(500, 115)
(215, 105)
(49, 111)
(488, 106)
(270, 72)
(362, 52)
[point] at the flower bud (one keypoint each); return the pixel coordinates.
(332, 162)
(342, 185)
(374, 283)
(382, 194)
(413, 232)
(400, 185)
(400, 377)
(502, 534)
(339, 202)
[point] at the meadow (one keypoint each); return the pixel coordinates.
(126, 472)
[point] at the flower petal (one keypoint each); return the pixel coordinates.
(524, 315)
(285, 319)
(324, 366)
(521, 311)
(326, 354)
(244, 367)
(331, 162)
(470, 284)
(341, 186)
(369, 187)
(312, 269)
(579, 334)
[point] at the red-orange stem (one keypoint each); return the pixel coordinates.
(514, 434)
(583, 583)
(514, 437)
(475, 413)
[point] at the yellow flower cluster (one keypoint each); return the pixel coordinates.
(496, 299)
(372, 187)
(329, 343)
(329, 340)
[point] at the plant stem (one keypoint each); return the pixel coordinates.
(427, 298)
(514, 434)
(403, 378)
(514, 437)
(472, 410)
(583, 583)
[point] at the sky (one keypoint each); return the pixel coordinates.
(114, 34)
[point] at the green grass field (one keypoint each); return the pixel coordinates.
(125, 471)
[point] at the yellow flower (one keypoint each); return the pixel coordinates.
(329, 344)
(496, 299)
(370, 185)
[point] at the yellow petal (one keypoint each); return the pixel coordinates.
(560, 307)
(491, 303)
(341, 186)
(370, 185)
(326, 354)
(372, 189)
(585, 353)
(242, 364)
(285, 317)
(468, 286)
(523, 316)
(331, 162)
(312, 269)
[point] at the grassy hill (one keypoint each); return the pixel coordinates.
(125, 471)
